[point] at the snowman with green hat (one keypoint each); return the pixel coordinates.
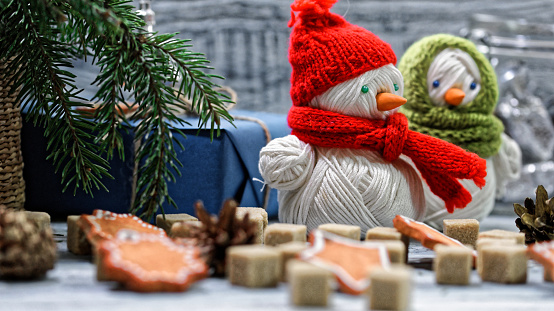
(451, 93)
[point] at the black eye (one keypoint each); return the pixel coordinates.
(436, 83)
(473, 85)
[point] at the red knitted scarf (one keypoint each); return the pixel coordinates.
(439, 162)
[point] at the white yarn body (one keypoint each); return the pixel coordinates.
(507, 164)
(501, 168)
(339, 185)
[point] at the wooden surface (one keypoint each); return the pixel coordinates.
(72, 286)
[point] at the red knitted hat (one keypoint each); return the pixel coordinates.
(326, 50)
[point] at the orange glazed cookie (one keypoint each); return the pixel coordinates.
(104, 225)
(349, 260)
(543, 253)
(427, 236)
(150, 263)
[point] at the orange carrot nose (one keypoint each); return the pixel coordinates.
(389, 101)
(454, 96)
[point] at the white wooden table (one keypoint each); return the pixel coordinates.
(72, 286)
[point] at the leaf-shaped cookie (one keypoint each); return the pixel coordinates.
(150, 263)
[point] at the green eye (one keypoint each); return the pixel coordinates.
(395, 87)
(365, 89)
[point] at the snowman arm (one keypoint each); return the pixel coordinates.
(507, 163)
(286, 163)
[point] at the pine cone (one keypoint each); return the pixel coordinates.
(26, 251)
(216, 234)
(536, 219)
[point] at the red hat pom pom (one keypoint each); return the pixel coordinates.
(326, 50)
(316, 6)
(309, 9)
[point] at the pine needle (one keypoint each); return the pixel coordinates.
(42, 38)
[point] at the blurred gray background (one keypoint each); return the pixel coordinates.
(247, 40)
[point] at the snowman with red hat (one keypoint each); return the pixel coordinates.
(345, 160)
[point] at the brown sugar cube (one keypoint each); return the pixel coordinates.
(503, 234)
(41, 218)
(452, 265)
(395, 249)
(464, 230)
(482, 242)
(504, 264)
(390, 288)
(253, 265)
(281, 233)
(171, 219)
(347, 231)
(309, 284)
(183, 229)
(77, 242)
(256, 214)
(288, 252)
(388, 233)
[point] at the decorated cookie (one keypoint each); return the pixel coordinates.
(350, 261)
(149, 263)
(426, 235)
(543, 253)
(104, 225)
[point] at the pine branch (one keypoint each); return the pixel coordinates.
(154, 99)
(196, 84)
(105, 26)
(163, 58)
(111, 81)
(50, 94)
(147, 65)
(146, 78)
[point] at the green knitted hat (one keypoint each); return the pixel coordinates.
(472, 126)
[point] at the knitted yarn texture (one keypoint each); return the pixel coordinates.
(332, 61)
(456, 62)
(320, 185)
(471, 126)
(501, 168)
(481, 205)
(440, 163)
(326, 50)
(346, 160)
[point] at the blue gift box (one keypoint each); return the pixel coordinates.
(212, 171)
